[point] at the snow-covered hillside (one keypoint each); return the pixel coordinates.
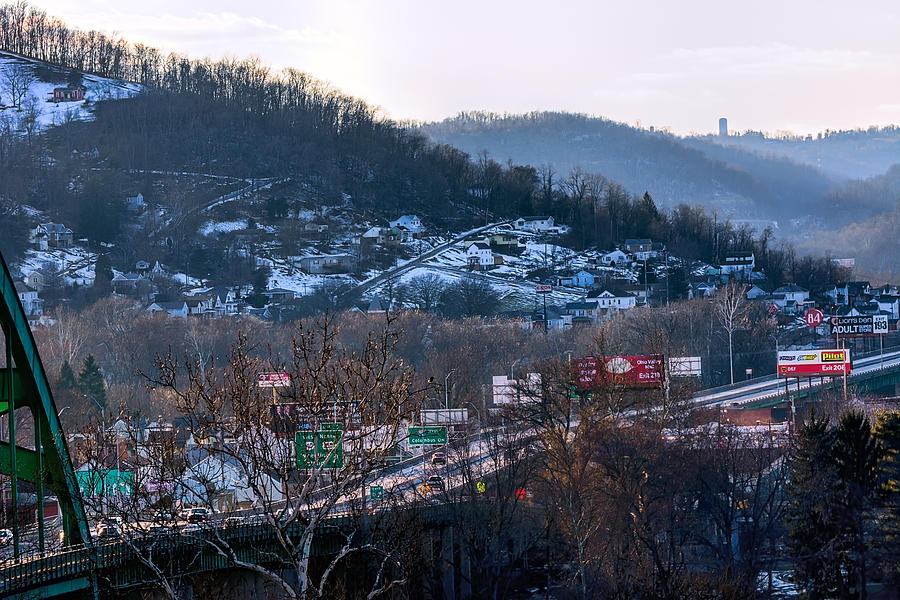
(44, 79)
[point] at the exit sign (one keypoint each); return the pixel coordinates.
(419, 436)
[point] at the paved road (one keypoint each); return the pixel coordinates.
(368, 284)
(771, 386)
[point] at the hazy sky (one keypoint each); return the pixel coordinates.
(803, 65)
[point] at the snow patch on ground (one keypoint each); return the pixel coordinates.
(76, 264)
(211, 227)
(40, 93)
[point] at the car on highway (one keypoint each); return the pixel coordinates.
(107, 530)
(438, 458)
(190, 528)
(6, 537)
(231, 522)
(435, 482)
(196, 515)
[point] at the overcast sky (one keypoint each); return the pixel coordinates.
(800, 65)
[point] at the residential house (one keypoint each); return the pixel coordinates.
(535, 224)
(581, 279)
(756, 292)
(506, 243)
(738, 265)
(556, 320)
(279, 295)
(68, 94)
(377, 306)
(609, 301)
(31, 303)
(142, 267)
(409, 222)
(224, 484)
(640, 248)
(849, 292)
(320, 264)
(52, 235)
(479, 255)
(226, 300)
(703, 289)
(889, 305)
(615, 258)
(316, 227)
(36, 280)
(125, 283)
(582, 312)
(176, 309)
(136, 204)
(793, 293)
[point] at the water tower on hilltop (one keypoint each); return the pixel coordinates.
(723, 127)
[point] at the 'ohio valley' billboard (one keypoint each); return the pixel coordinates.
(638, 371)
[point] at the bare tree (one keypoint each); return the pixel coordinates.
(731, 308)
(18, 79)
(351, 401)
(425, 291)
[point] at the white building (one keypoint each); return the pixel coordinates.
(479, 255)
(535, 224)
(410, 222)
(606, 300)
(616, 258)
(739, 264)
(33, 306)
(514, 391)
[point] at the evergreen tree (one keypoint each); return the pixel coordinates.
(887, 542)
(91, 382)
(67, 377)
(835, 481)
(810, 515)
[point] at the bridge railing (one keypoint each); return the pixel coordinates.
(69, 564)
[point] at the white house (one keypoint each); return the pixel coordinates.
(479, 255)
(793, 293)
(607, 300)
(33, 306)
(176, 309)
(535, 224)
(641, 248)
(56, 235)
(739, 264)
(756, 292)
(410, 222)
(616, 258)
(889, 304)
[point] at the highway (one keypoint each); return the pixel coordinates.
(770, 386)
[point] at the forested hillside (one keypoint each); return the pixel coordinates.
(736, 183)
(850, 154)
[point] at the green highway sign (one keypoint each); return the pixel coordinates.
(105, 482)
(376, 492)
(313, 447)
(427, 435)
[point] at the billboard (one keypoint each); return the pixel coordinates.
(633, 371)
(273, 379)
(685, 366)
(814, 363)
(859, 325)
(445, 416)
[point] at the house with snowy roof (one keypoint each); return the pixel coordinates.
(52, 235)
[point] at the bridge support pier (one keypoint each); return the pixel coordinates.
(448, 573)
(465, 572)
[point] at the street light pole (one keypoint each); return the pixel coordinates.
(446, 395)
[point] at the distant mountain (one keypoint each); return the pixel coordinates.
(851, 154)
(738, 183)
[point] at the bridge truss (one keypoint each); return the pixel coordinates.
(42, 461)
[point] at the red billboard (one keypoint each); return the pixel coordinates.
(635, 371)
(814, 363)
